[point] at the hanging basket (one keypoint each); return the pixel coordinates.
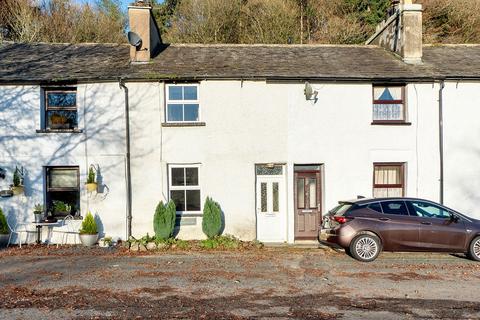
(18, 190)
(91, 187)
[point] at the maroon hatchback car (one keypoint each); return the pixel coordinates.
(365, 227)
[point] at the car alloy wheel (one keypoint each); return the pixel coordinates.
(365, 247)
(474, 250)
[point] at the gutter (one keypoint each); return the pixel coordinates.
(128, 177)
(440, 126)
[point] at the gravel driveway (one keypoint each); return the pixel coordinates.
(269, 283)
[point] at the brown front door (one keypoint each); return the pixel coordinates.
(307, 204)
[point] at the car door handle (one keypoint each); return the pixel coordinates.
(427, 223)
(384, 219)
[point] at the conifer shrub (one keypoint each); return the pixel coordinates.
(89, 225)
(212, 218)
(164, 220)
(3, 223)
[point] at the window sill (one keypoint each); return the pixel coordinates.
(391, 123)
(59, 131)
(193, 214)
(183, 124)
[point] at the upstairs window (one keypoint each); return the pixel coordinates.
(184, 188)
(182, 103)
(389, 104)
(61, 109)
(388, 180)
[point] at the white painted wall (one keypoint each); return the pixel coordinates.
(256, 122)
(462, 146)
(100, 116)
(247, 123)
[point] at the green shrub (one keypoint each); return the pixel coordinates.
(212, 218)
(89, 226)
(224, 242)
(3, 223)
(164, 220)
(91, 176)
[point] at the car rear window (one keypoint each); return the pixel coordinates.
(341, 209)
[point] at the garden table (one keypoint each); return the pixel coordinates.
(39, 226)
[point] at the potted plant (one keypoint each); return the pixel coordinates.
(91, 183)
(105, 242)
(61, 208)
(88, 232)
(38, 212)
(4, 232)
(17, 186)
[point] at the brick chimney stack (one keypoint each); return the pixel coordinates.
(401, 32)
(143, 24)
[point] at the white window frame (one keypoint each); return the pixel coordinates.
(184, 188)
(168, 101)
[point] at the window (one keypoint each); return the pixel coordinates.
(395, 207)
(375, 206)
(185, 189)
(61, 109)
(388, 180)
(63, 191)
(389, 104)
(428, 210)
(182, 103)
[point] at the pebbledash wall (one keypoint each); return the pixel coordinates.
(246, 123)
(101, 142)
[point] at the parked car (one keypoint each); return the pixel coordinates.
(365, 227)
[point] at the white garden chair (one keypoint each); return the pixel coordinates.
(68, 227)
(19, 229)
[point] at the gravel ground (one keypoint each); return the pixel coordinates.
(269, 283)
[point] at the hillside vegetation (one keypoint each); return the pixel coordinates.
(233, 21)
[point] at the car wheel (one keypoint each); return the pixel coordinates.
(365, 247)
(474, 249)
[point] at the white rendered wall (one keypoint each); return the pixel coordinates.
(100, 116)
(462, 146)
(250, 122)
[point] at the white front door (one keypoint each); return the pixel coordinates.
(271, 209)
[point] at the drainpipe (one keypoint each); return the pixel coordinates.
(127, 156)
(440, 125)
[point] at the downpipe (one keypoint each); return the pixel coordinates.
(440, 126)
(127, 157)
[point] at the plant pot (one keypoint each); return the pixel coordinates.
(38, 216)
(17, 190)
(91, 187)
(88, 240)
(104, 244)
(4, 239)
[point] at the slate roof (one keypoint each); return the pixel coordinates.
(102, 62)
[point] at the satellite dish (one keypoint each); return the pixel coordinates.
(309, 92)
(134, 39)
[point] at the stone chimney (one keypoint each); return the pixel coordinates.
(401, 32)
(143, 24)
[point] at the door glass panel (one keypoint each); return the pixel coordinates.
(275, 197)
(263, 170)
(263, 196)
(312, 182)
(428, 210)
(301, 193)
